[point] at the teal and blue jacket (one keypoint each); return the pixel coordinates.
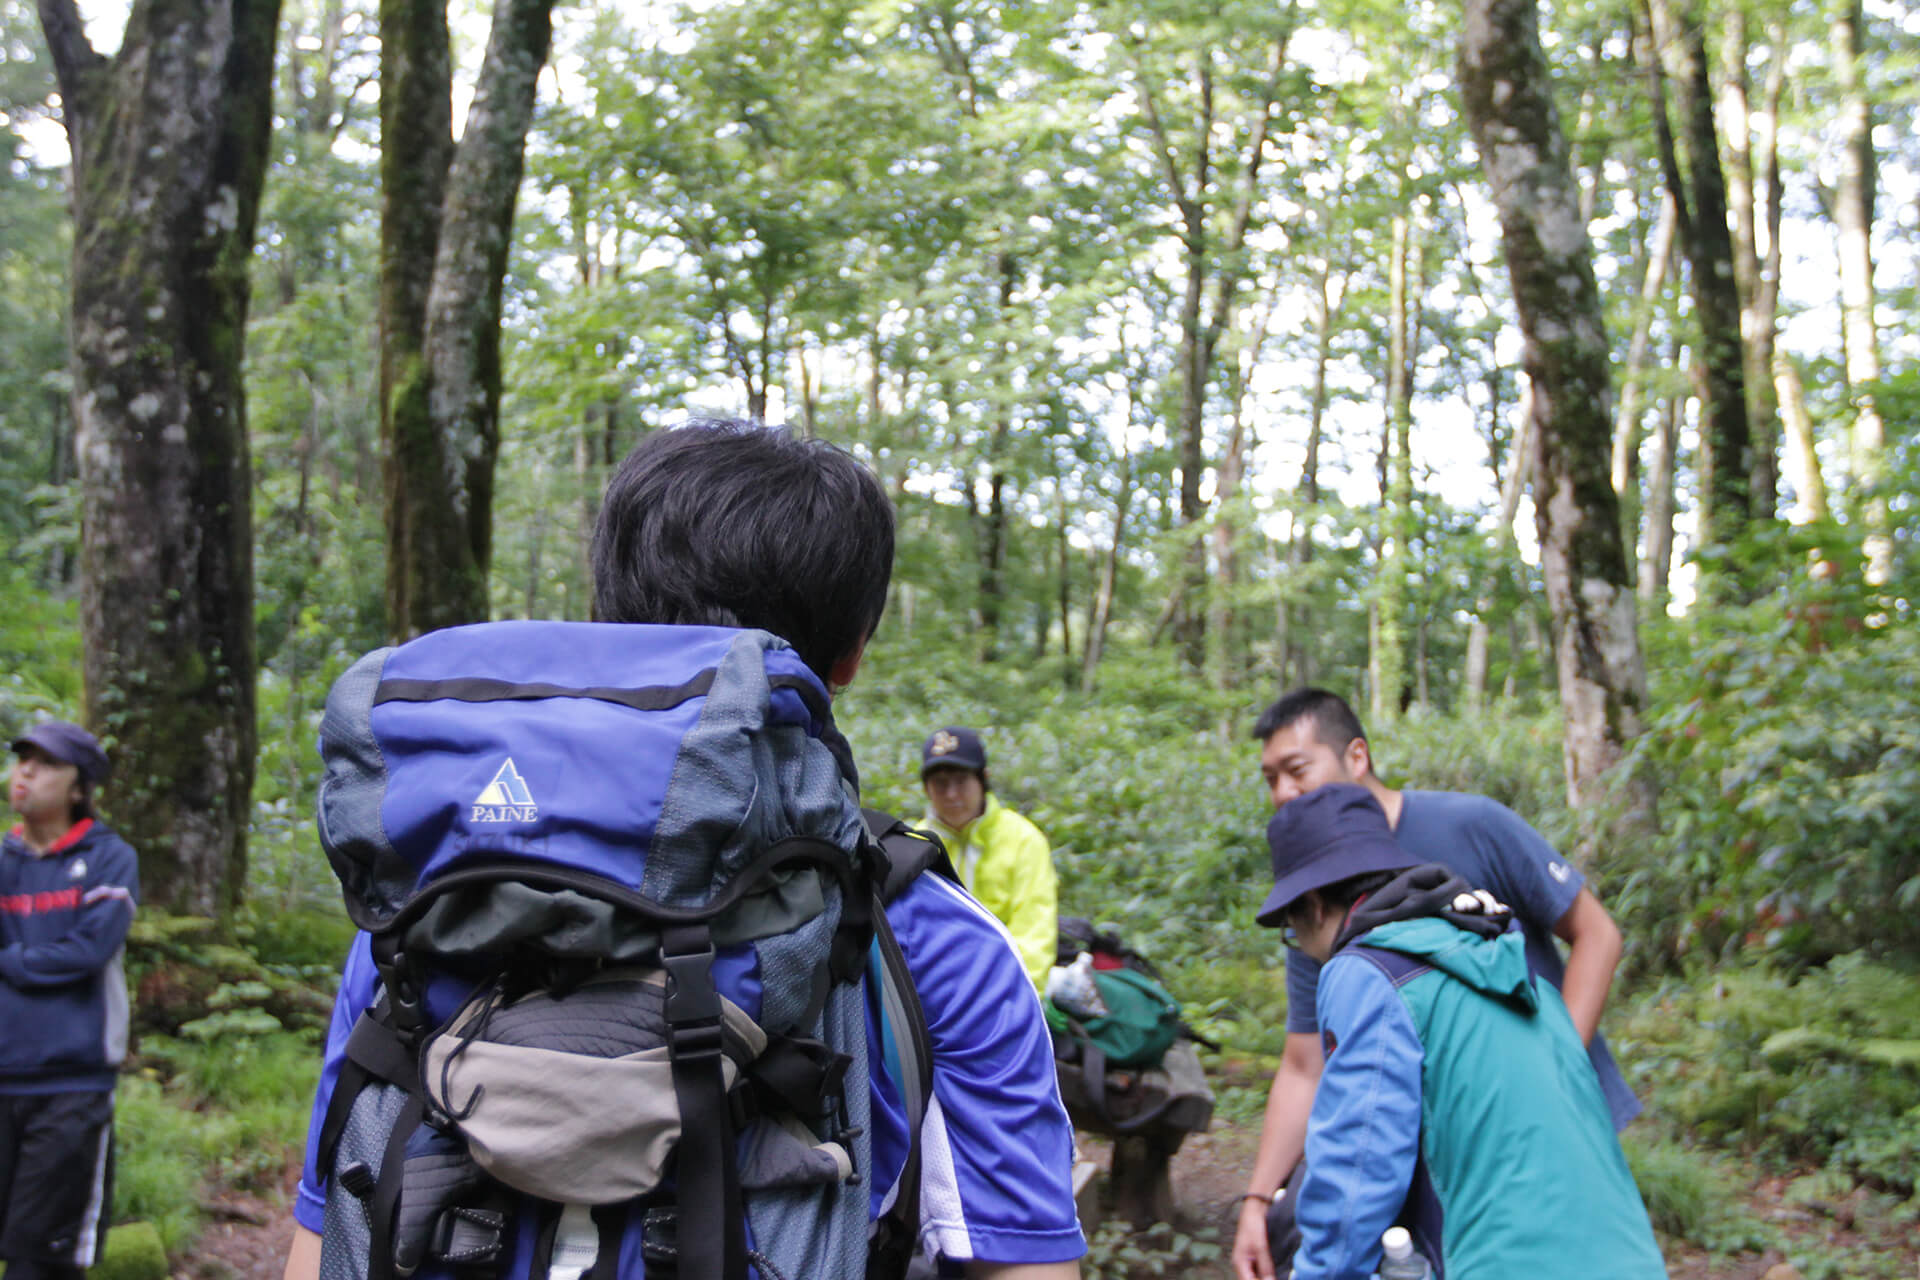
(1458, 1099)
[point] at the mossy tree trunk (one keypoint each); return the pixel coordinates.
(1516, 129)
(446, 226)
(169, 145)
(1727, 464)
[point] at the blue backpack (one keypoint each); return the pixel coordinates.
(626, 914)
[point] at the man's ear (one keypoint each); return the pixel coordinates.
(841, 674)
(1359, 759)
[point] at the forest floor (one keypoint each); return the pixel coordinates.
(246, 1235)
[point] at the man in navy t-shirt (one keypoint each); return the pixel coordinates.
(1311, 737)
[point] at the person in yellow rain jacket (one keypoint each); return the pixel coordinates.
(1002, 858)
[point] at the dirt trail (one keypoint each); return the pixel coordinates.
(246, 1236)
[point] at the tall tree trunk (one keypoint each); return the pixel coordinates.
(169, 144)
(446, 228)
(1213, 275)
(1512, 485)
(1292, 656)
(1516, 129)
(1102, 607)
(1224, 621)
(1626, 428)
(1809, 483)
(1853, 216)
(1656, 562)
(1388, 650)
(1726, 447)
(1743, 201)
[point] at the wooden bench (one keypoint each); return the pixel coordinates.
(1147, 1115)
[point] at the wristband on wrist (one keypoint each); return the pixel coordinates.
(1255, 1195)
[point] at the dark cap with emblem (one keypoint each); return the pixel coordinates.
(69, 744)
(1330, 834)
(953, 749)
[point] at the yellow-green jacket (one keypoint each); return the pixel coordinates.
(1006, 863)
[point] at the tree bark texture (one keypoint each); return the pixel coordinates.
(1853, 218)
(1388, 650)
(169, 144)
(1726, 446)
(1516, 129)
(446, 227)
(1656, 561)
(1744, 183)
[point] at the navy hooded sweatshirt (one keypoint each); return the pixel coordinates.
(63, 925)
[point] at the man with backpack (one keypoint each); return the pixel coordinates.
(1457, 1099)
(1310, 738)
(849, 1069)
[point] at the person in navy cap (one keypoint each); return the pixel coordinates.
(1002, 858)
(68, 885)
(1457, 1100)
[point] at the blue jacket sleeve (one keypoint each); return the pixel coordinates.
(357, 981)
(1363, 1136)
(100, 929)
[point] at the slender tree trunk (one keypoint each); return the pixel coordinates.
(1808, 480)
(446, 228)
(1512, 485)
(1743, 201)
(1656, 563)
(1853, 217)
(169, 139)
(1626, 428)
(1726, 447)
(1516, 129)
(1388, 651)
(1102, 613)
(1213, 275)
(1763, 340)
(1293, 616)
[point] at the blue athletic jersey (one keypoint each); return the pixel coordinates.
(996, 1147)
(1492, 848)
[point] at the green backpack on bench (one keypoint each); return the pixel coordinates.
(1140, 1025)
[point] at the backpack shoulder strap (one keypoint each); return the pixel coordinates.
(905, 854)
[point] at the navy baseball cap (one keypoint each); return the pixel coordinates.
(69, 744)
(1330, 834)
(953, 748)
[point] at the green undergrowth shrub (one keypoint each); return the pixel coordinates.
(1785, 737)
(1691, 1196)
(1822, 1068)
(1117, 1250)
(228, 1108)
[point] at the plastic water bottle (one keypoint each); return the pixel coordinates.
(1398, 1261)
(1073, 990)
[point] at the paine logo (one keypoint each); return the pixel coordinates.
(505, 799)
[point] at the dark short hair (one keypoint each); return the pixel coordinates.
(1342, 894)
(1334, 722)
(736, 524)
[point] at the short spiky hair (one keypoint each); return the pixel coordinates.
(1334, 722)
(728, 523)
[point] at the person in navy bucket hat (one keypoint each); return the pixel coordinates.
(1456, 1101)
(1328, 835)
